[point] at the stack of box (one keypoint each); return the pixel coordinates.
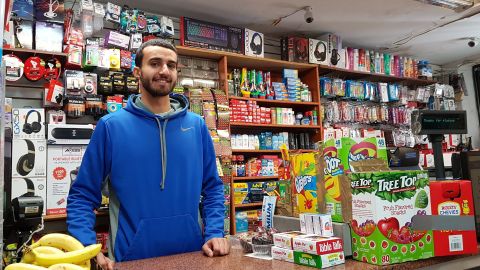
(248, 220)
(249, 112)
(293, 86)
(29, 153)
(316, 250)
(253, 192)
(280, 91)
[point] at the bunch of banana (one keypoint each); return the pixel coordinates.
(57, 252)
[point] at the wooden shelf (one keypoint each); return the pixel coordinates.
(236, 60)
(248, 205)
(246, 125)
(247, 178)
(64, 216)
(278, 102)
(259, 151)
(374, 77)
(20, 51)
(33, 85)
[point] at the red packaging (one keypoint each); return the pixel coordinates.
(453, 198)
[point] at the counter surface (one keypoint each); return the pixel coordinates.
(237, 261)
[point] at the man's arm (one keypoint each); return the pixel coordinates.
(85, 193)
(212, 191)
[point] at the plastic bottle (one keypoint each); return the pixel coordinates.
(377, 63)
(234, 166)
(382, 64)
(240, 166)
(367, 61)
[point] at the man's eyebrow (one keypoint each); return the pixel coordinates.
(161, 59)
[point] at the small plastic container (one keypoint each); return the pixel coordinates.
(262, 249)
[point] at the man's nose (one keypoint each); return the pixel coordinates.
(163, 69)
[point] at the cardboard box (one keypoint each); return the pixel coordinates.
(305, 175)
(318, 245)
(69, 134)
(28, 123)
(240, 193)
(383, 205)
(29, 158)
(282, 254)
(254, 43)
(319, 53)
(453, 198)
(285, 239)
(19, 187)
(319, 261)
(63, 164)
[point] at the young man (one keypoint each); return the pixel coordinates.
(159, 160)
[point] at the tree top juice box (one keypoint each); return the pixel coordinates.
(338, 153)
(383, 204)
(305, 186)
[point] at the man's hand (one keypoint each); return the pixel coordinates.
(216, 247)
(104, 262)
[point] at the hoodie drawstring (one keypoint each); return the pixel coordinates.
(163, 149)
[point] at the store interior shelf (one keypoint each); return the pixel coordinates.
(246, 178)
(239, 60)
(277, 102)
(374, 77)
(64, 216)
(20, 51)
(248, 205)
(25, 85)
(246, 125)
(260, 151)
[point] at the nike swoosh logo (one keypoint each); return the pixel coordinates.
(185, 129)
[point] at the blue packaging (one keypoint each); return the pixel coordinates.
(290, 73)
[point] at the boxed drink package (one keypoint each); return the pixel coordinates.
(453, 198)
(318, 245)
(383, 205)
(305, 190)
(285, 239)
(62, 169)
(338, 153)
(319, 261)
(282, 254)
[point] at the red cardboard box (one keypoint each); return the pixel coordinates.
(453, 198)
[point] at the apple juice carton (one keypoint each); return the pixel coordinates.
(383, 204)
(305, 189)
(453, 198)
(338, 153)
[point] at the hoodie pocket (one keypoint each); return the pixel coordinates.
(164, 236)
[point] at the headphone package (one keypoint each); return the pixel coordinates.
(38, 186)
(334, 45)
(318, 52)
(29, 158)
(62, 169)
(254, 45)
(294, 49)
(28, 123)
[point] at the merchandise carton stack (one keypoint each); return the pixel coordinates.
(313, 246)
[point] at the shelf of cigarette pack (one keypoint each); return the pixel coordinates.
(246, 178)
(248, 205)
(259, 151)
(64, 216)
(240, 60)
(279, 103)
(20, 51)
(245, 125)
(375, 77)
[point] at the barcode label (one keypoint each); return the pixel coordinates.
(330, 208)
(455, 243)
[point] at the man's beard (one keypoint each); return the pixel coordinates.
(153, 92)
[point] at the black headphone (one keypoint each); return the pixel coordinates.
(30, 188)
(321, 56)
(26, 162)
(34, 127)
(335, 57)
(256, 48)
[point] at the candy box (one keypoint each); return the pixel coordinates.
(319, 261)
(383, 205)
(305, 190)
(282, 254)
(453, 198)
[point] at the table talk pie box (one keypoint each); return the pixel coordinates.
(285, 239)
(318, 245)
(319, 261)
(282, 254)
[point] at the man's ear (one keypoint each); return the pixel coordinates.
(136, 72)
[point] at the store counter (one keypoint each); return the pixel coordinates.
(237, 261)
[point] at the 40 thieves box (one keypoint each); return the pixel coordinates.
(453, 198)
(62, 169)
(383, 205)
(338, 153)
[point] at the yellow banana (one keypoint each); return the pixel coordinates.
(24, 266)
(59, 240)
(75, 257)
(28, 257)
(65, 266)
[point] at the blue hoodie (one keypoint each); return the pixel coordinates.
(158, 168)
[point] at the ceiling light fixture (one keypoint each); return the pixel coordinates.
(308, 15)
(457, 5)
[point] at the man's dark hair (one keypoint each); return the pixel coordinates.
(153, 42)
